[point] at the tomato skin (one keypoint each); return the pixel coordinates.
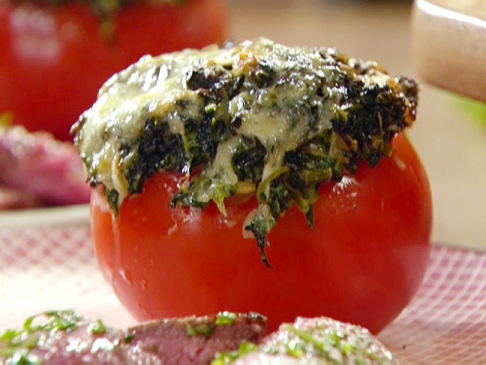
(55, 59)
(362, 264)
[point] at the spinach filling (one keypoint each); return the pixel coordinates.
(269, 120)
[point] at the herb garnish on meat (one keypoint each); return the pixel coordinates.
(316, 341)
(253, 118)
(17, 344)
(65, 337)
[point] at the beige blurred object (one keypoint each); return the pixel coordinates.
(449, 44)
(452, 148)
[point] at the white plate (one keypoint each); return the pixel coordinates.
(55, 216)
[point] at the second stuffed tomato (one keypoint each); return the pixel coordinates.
(57, 54)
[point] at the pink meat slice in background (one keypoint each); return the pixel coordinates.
(39, 166)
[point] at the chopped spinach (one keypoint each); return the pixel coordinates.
(258, 117)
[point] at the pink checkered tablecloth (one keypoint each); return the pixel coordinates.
(54, 268)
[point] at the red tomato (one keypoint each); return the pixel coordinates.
(54, 59)
(362, 264)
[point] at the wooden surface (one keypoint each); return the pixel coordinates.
(449, 44)
(452, 146)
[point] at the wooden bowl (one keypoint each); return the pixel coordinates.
(449, 45)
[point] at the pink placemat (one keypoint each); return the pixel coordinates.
(446, 322)
(54, 268)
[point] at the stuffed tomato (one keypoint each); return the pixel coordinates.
(56, 54)
(258, 177)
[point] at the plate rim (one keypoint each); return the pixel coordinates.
(45, 217)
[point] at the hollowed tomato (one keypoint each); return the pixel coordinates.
(362, 263)
(55, 58)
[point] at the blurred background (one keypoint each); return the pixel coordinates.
(449, 137)
(72, 51)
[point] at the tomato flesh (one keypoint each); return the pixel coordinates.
(55, 59)
(362, 264)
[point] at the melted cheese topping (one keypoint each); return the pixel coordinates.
(280, 117)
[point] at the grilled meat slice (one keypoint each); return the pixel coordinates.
(195, 340)
(312, 341)
(63, 337)
(40, 166)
